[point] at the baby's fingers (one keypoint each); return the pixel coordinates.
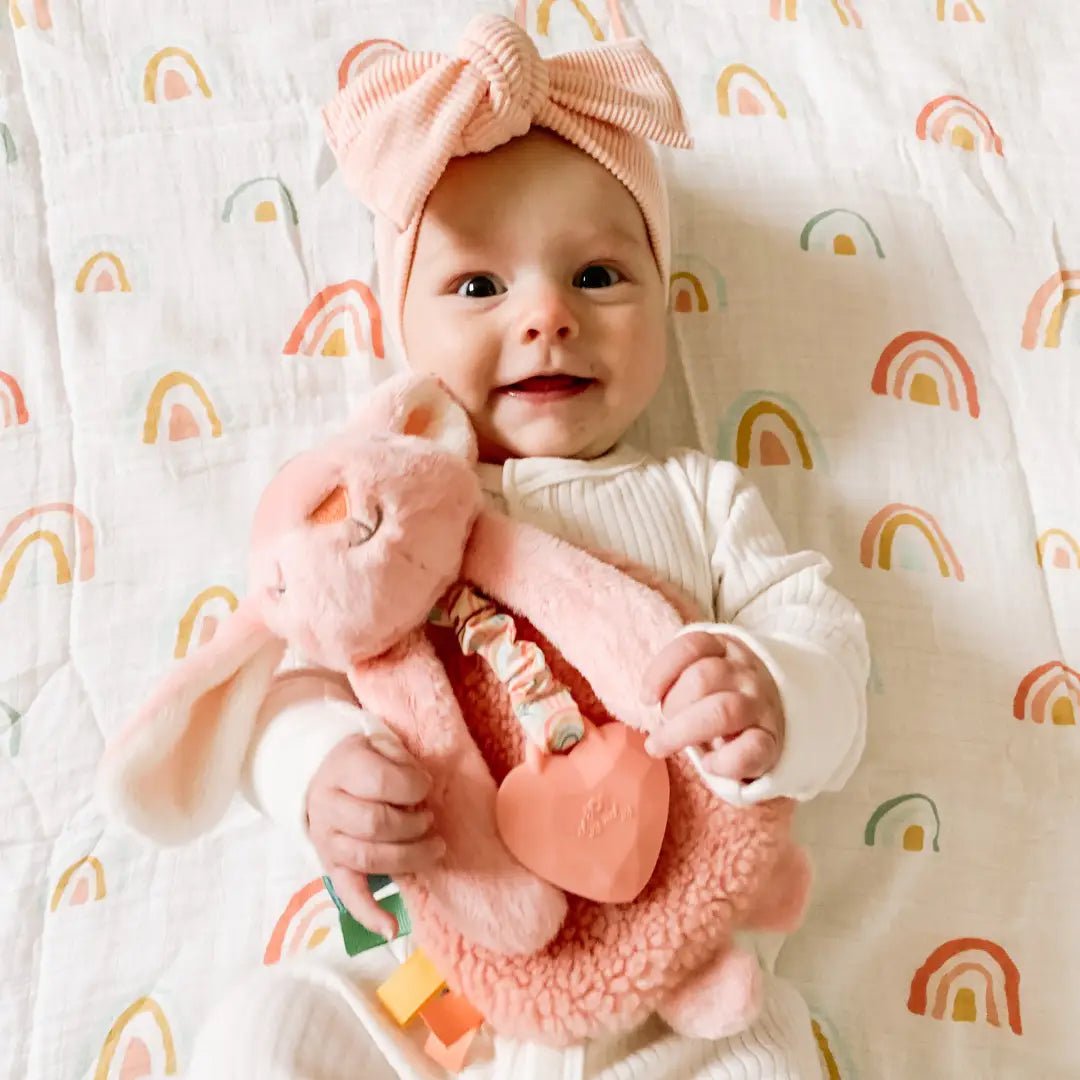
(374, 820)
(719, 716)
(378, 858)
(353, 891)
(747, 757)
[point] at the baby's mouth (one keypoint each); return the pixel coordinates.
(544, 388)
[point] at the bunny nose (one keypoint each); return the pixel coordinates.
(360, 532)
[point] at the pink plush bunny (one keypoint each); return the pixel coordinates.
(353, 545)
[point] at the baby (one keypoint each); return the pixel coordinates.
(523, 242)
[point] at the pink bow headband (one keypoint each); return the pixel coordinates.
(404, 115)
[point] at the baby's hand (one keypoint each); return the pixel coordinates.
(365, 817)
(715, 691)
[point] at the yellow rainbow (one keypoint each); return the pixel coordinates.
(746, 429)
(723, 89)
(150, 77)
(1070, 544)
(828, 1059)
(881, 531)
(695, 283)
(69, 873)
(189, 618)
(63, 565)
(969, 7)
(88, 266)
(157, 398)
(112, 1040)
(543, 18)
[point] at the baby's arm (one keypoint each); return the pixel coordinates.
(793, 640)
(333, 775)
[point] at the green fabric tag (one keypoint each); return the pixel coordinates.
(359, 938)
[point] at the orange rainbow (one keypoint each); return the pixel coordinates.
(13, 404)
(1071, 547)
(102, 284)
(321, 304)
(85, 549)
(157, 399)
(113, 1040)
(81, 892)
(155, 62)
(783, 9)
(747, 104)
(918, 997)
(884, 525)
(275, 948)
(1052, 677)
(1037, 307)
(904, 342)
(345, 71)
(941, 110)
(187, 622)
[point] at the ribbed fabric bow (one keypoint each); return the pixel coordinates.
(406, 114)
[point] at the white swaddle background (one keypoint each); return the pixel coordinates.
(940, 942)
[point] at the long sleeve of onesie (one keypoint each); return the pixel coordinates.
(811, 639)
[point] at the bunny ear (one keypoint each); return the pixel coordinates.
(419, 405)
(173, 771)
(428, 411)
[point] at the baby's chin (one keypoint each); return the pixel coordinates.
(544, 440)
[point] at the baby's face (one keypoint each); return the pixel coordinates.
(535, 297)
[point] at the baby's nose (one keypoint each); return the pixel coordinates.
(548, 318)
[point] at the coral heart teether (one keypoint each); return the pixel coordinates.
(590, 821)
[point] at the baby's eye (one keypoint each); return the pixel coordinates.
(597, 276)
(480, 286)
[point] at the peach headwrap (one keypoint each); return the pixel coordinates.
(404, 115)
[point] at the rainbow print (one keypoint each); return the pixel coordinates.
(360, 54)
(961, 11)
(308, 920)
(1046, 321)
(904, 822)
(262, 205)
(139, 1044)
(171, 74)
(42, 14)
(830, 1068)
(876, 548)
(741, 91)
(964, 960)
(847, 13)
(695, 286)
(13, 718)
(12, 403)
(926, 368)
(7, 143)
(347, 306)
(762, 428)
(19, 535)
(826, 232)
(103, 272)
(1052, 689)
(202, 618)
(183, 392)
(952, 118)
(80, 882)
(1058, 550)
(783, 10)
(616, 23)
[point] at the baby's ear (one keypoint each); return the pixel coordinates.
(426, 409)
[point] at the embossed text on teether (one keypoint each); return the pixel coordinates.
(599, 813)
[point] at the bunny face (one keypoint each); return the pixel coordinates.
(355, 542)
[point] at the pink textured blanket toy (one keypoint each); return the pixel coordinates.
(354, 544)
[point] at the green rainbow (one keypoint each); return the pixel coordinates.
(875, 818)
(808, 228)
